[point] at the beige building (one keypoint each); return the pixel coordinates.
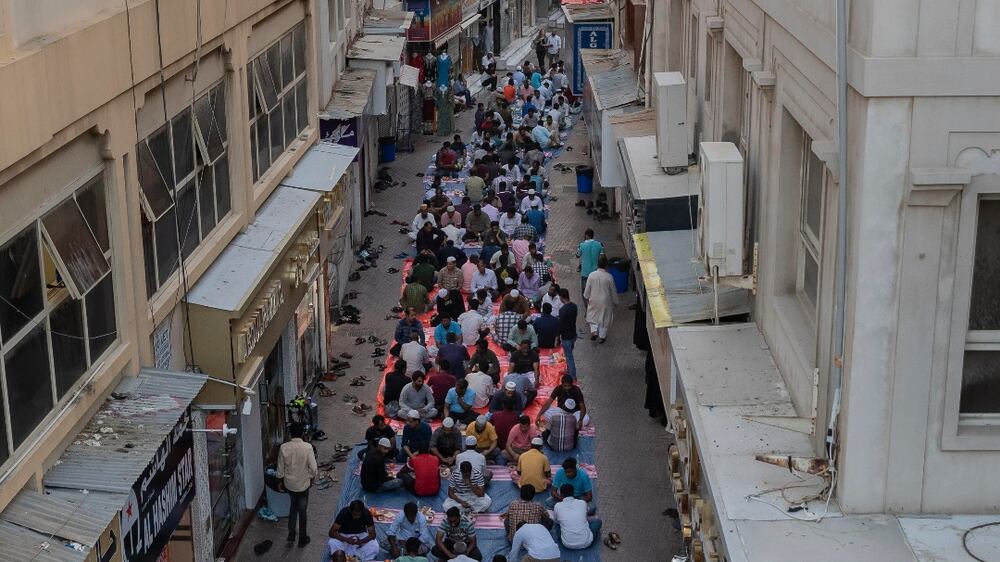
(915, 412)
(151, 153)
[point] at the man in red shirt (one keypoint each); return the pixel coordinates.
(421, 474)
(447, 159)
(440, 381)
(503, 420)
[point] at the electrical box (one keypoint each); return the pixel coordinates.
(671, 119)
(721, 207)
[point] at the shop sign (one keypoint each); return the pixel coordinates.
(107, 548)
(420, 29)
(587, 36)
(304, 251)
(341, 131)
(445, 14)
(253, 329)
(160, 496)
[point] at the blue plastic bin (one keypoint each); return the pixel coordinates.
(619, 270)
(584, 179)
(387, 149)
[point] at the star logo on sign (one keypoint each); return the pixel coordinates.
(128, 510)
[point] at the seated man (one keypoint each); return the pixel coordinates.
(562, 430)
(533, 467)
(519, 439)
(430, 238)
(536, 217)
(522, 336)
(537, 543)
(414, 353)
(421, 475)
(569, 398)
(575, 531)
(451, 216)
(376, 431)
(503, 326)
(547, 328)
(458, 403)
(482, 386)
(409, 525)
(416, 437)
(525, 510)
(478, 461)
(529, 283)
(484, 356)
(393, 387)
(425, 270)
(445, 326)
(484, 278)
(455, 529)
(446, 442)
(477, 221)
(414, 298)
(486, 437)
(375, 477)
(467, 490)
(449, 250)
(525, 231)
(353, 532)
(451, 277)
(441, 381)
(468, 269)
(508, 394)
(446, 159)
(410, 325)
(418, 397)
(414, 549)
(516, 302)
(423, 216)
(576, 477)
(453, 353)
(503, 420)
(472, 323)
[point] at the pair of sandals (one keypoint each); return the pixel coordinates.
(361, 410)
(360, 380)
(613, 540)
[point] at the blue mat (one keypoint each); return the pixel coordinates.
(490, 541)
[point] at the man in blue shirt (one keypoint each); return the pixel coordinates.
(547, 328)
(444, 328)
(453, 352)
(536, 218)
(458, 402)
(407, 326)
(574, 476)
(588, 252)
(416, 437)
(409, 524)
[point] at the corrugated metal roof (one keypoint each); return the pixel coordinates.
(350, 95)
(635, 124)
(587, 12)
(229, 282)
(387, 22)
(90, 483)
(671, 274)
(321, 167)
(615, 88)
(377, 47)
(596, 61)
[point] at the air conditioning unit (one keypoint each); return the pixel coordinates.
(671, 119)
(721, 207)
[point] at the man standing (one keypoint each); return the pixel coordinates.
(297, 469)
(567, 330)
(409, 524)
(555, 45)
(588, 251)
(353, 532)
(601, 296)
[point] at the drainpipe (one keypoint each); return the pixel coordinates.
(840, 281)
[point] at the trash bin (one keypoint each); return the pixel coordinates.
(278, 501)
(584, 178)
(619, 270)
(387, 148)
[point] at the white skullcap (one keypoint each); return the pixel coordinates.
(448, 422)
(510, 386)
(570, 403)
(515, 293)
(451, 208)
(481, 420)
(384, 442)
(443, 293)
(470, 440)
(449, 260)
(414, 415)
(537, 441)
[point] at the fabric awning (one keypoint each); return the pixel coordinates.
(321, 167)
(350, 95)
(96, 476)
(235, 275)
(470, 21)
(451, 33)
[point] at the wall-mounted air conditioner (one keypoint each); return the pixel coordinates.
(721, 207)
(671, 119)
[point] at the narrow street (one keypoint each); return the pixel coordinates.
(632, 485)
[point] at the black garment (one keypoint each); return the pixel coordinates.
(654, 398)
(373, 472)
(424, 273)
(430, 239)
(523, 362)
(560, 395)
(297, 513)
(394, 383)
(373, 434)
(547, 328)
(351, 526)
(567, 321)
(452, 252)
(453, 305)
(640, 337)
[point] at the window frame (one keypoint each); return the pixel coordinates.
(692, 58)
(53, 298)
(968, 431)
(809, 245)
(203, 162)
(260, 115)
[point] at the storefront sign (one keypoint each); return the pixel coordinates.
(108, 548)
(253, 329)
(160, 496)
(341, 131)
(595, 35)
(420, 29)
(445, 15)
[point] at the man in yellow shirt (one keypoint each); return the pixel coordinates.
(486, 437)
(533, 467)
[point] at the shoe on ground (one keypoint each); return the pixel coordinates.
(304, 541)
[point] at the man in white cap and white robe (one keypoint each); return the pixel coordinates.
(531, 199)
(601, 296)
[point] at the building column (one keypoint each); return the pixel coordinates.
(201, 505)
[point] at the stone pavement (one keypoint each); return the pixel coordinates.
(633, 485)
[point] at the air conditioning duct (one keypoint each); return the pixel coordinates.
(721, 207)
(671, 120)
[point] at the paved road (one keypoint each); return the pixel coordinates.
(631, 448)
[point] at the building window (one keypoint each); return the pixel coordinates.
(184, 181)
(57, 309)
(981, 365)
(810, 226)
(278, 104)
(333, 22)
(709, 66)
(693, 50)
